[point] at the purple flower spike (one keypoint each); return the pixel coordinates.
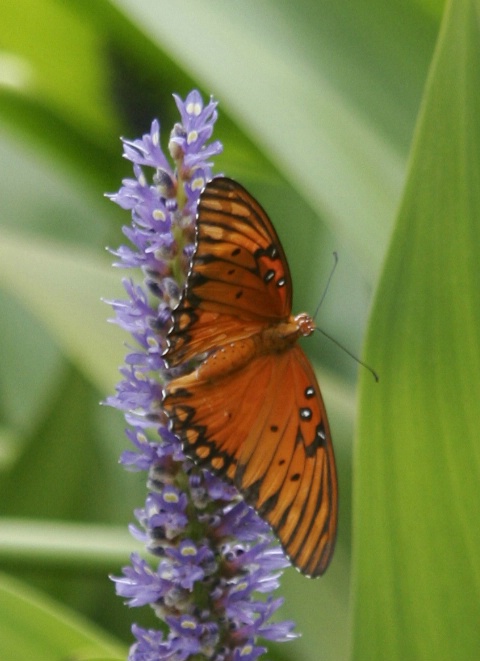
(211, 555)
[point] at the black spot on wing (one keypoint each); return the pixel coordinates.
(305, 413)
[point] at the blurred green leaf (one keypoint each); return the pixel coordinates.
(33, 627)
(89, 547)
(57, 59)
(417, 506)
(62, 286)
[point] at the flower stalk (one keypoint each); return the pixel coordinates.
(213, 565)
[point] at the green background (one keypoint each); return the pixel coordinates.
(357, 126)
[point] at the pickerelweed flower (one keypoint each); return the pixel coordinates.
(212, 556)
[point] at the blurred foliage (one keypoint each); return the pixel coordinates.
(318, 103)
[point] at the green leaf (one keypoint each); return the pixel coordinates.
(417, 506)
(62, 286)
(88, 547)
(34, 627)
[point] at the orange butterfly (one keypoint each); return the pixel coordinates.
(251, 411)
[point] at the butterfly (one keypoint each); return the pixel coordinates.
(250, 408)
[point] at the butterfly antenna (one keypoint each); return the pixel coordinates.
(349, 353)
(332, 271)
(332, 339)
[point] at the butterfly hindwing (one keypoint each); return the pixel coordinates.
(286, 469)
(265, 430)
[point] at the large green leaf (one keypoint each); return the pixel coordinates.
(417, 504)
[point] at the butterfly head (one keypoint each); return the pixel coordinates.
(305, 323)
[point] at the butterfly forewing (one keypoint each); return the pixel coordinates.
(239, 265)
(238, 270)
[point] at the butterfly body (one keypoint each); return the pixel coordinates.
(250, 409)
(235, 355)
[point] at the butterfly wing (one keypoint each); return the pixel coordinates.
(264, 428)
(239, 279)
(260, 424)
(287, 466)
